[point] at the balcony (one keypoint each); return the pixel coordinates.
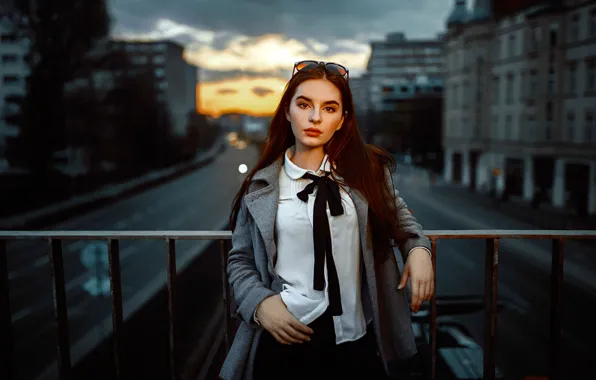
(222, 339)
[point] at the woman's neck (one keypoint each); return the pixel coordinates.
(308, 158)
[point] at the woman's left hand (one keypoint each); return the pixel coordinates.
(419, 268)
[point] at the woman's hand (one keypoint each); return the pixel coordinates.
(419, 268)
(274, 316)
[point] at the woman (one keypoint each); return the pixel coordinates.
(311, 267)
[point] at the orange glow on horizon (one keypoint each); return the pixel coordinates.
(216, 98)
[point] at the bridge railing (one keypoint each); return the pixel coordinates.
(56, 258)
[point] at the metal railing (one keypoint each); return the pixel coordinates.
(55, 238)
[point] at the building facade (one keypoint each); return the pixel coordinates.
(400, 61)
(520, 100)
(13, 75)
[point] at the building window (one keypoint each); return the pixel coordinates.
(496, 90)
(570, 130)
(549, 111)
(590, 127)
(10, 79)
(553, 35)
(533, 88)
(510, 88)
(9, 59)
(534, 39)
(8, 38)
(139, 60)
(495, 128)
(531, 131)
(497, 48)
(159, 59)
(552, 82)
(507, 130)
(572, 78)
(159, 73)
(522, 85)
(591, 76)
(511, 47)
(574, 29)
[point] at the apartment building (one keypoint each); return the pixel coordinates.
(520, 100)
(13, 74)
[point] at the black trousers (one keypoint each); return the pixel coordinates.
(321, 358)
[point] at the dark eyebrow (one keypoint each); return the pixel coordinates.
(309, 100)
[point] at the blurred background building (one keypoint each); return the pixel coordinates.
(400, 97)
(517, 117)
(13, 73)
(520, 100)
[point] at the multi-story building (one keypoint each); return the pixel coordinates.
(404, 79)
(399, 61)
(13, 74)
(174, 80)
(521, 100)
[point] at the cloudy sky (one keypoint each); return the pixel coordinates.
(246, 48)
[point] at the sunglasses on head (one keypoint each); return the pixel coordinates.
(333, 68)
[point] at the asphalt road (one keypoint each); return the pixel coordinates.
(199, 201)
(522, 348)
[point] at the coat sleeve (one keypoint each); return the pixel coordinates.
(407, 222)
(244, 278)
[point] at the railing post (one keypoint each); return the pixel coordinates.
(491, 277)
(60, 311)
(226, 293)
(6, 336)
(433, 312)
(556, 283)
(171, 264)
(117, 314)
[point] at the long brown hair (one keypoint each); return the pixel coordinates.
(360, 165)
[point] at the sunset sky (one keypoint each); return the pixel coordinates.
(245, 49)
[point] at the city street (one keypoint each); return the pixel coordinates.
(201, 201)
(524, 276)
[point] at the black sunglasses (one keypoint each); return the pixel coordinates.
(333, 68)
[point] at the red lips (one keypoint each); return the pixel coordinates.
(313, 131)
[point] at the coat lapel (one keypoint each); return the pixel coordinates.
(262, 205)
(361, 206)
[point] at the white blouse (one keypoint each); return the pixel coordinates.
(295, 257)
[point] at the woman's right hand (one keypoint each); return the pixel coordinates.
(274, 316)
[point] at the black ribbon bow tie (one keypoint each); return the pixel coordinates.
(328, 192)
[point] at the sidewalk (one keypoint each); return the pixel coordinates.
(36, 219)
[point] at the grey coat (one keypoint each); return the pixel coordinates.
(252, 276)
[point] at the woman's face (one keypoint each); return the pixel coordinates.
(315, 113)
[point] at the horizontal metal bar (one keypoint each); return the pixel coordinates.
(93, 235)
(226, 235)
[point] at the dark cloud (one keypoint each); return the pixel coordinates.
(226, 91)
(261, 91)
(324, 21)
(219, 75)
